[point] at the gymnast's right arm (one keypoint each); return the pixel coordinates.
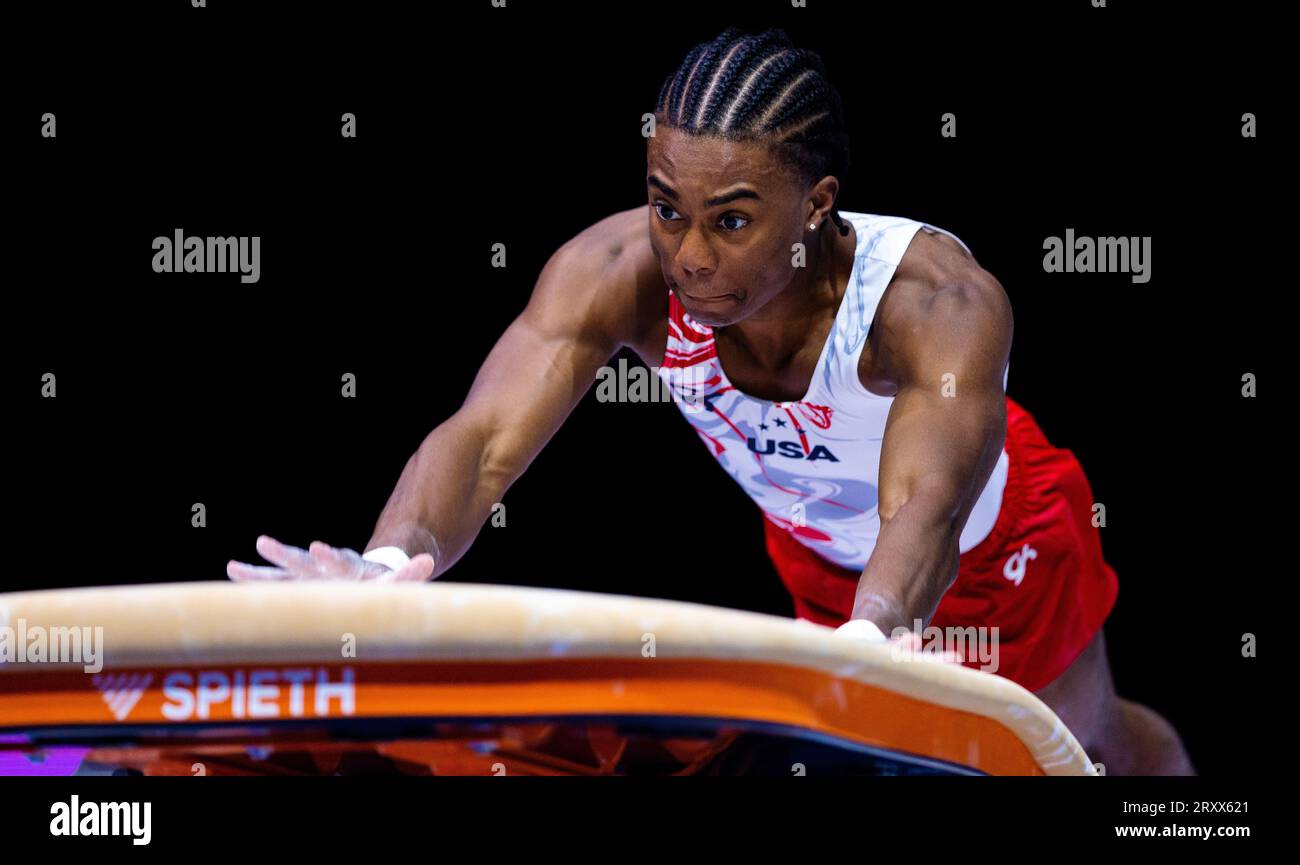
(582, 310)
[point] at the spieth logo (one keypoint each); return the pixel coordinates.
(256, 693)
(121, 691)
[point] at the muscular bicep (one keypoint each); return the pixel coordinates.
(948, 350)
(547, 358)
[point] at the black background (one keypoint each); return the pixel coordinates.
(522, 126)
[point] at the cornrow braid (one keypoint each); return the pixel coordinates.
(747, 87)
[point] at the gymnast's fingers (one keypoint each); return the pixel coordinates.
(296, 561)
(341, 563)
(245, 573)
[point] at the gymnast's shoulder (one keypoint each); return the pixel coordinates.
(609, 275)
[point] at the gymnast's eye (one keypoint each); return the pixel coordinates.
(660, 207)
(744, 221)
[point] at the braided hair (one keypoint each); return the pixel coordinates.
(746, 87)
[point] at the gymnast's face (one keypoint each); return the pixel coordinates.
(723, 217)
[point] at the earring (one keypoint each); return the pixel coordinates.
(812, 226)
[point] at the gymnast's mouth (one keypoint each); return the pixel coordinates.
(721, 298)
(700, 298)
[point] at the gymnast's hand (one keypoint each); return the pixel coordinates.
(320, 561)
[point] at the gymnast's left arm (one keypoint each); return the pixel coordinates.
(944, 343)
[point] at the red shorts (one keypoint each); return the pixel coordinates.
(1043, 535)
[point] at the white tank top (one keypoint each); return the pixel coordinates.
(813, 466)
